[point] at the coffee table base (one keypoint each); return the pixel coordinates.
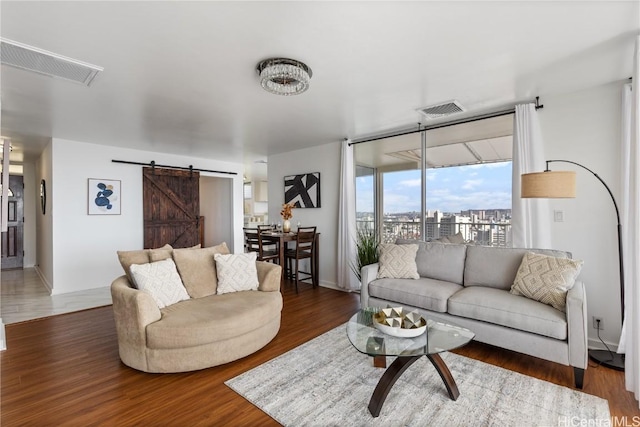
(396, 370)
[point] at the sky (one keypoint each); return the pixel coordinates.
(452, 189)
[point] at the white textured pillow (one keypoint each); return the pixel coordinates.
(161, 280)
(236, 272)
(398, 261)
(546, 279)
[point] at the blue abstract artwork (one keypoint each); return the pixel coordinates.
(104, 197)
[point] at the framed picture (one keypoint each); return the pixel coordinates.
(104, 196)
(303, 190)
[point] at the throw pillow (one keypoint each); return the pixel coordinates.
(160, 254)
(236, 272)
(397, 261)
(546, 279)
(161, 280)
(128, 258)
(197, 269)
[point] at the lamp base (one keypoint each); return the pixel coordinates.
(608, 359)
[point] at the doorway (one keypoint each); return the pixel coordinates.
(13, 238)
(216, 207)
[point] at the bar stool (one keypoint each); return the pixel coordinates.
(268, 248)
(251, 239)
(305, 249)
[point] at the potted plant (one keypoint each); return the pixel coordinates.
(366, 251)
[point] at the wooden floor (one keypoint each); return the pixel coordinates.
(65, 370)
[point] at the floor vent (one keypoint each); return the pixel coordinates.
(49, 64)
(441, 110)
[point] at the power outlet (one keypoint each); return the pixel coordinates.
(558, 216)
(595, 323)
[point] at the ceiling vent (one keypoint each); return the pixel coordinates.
(441, 110)
(50, 64)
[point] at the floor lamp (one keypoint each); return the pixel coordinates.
(562, 184)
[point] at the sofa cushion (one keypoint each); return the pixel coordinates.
(457, 238)
(439, 260)
(214, 318)
(142, 256)
(236, 272)
(397, 261)
(503, 308)
(161, 280)
(546, 279)
(430, 294)
(128, 258)
(197, 269)
(160, 254)
(497, 267)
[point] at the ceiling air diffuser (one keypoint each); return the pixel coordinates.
(441, 110)
(47, 63)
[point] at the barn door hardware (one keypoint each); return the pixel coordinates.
(191, 169)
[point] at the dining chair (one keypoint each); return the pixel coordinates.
(270, 244)
(268, 248)
(305, 249)
(251, 243)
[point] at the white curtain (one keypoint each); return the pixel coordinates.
(347, 220)
(630, 219)
(530, 218)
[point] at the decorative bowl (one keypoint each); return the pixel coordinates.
(405, 325)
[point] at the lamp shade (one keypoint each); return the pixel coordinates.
(548, 184)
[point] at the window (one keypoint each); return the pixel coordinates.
(467, 183)
(365, 197)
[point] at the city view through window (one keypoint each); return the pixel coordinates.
(472, 202)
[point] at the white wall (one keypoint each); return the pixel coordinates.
(84, 246)
(326, 160)
(31, 204)
(584, 127)
(44, 223)
(216, 195)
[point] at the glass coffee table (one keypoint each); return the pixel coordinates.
(437, 338)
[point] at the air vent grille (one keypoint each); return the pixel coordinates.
(50, 64)
(441, 110)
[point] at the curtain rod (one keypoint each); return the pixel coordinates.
(447, 124)
(153, 164)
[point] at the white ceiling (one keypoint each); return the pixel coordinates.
(489, 139)
(179, 77)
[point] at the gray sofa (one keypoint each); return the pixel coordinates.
(469, 286)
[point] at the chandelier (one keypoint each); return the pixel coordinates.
(284, 76)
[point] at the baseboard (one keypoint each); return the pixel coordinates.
(45, 282)
(595, 344)
(331, 285)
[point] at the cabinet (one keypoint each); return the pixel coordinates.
(261, 191)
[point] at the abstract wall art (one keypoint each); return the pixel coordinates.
(104, 196)
(303, 190)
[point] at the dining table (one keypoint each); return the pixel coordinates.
(291, 236)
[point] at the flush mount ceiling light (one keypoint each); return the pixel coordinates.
(284, 76)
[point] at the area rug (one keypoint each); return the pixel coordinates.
(327, 382)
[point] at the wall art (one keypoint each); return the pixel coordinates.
(104, 196)
(303, 190)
